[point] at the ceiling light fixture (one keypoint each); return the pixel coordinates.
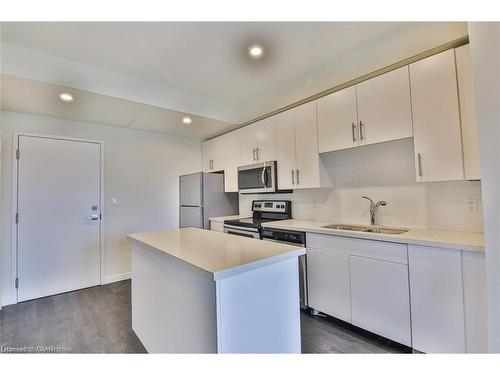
(255, 51)
(66, 97)
(187, 120)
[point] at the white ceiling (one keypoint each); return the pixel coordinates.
(29, 96)
(207, 59)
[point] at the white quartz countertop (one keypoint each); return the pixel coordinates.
(231, 217)
(215, 254)
(471, 241)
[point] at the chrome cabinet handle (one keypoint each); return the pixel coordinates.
(293, 177)
(353, 132)
(298, 180)
(419, 158)
(257, 149)
(360, 131)
(253, 151)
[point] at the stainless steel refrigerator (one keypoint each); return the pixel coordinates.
(201, 196)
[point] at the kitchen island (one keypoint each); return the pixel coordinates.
(200, 291)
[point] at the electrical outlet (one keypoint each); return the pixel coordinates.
(471, 205)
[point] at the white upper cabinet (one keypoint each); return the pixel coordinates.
(208, 150)
(306, 147)
(299, 163)
(337, 120)
(468, 113)
(266, 140)
(384, 108)
(258, 142)
(248, 144)
(285, 149)
(436, 118)
(230, 150)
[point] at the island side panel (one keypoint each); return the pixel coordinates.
(173, 306)
(259, 311)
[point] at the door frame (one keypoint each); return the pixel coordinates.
(14, 201)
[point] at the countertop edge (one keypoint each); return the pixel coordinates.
(379, 237)
(228, 272)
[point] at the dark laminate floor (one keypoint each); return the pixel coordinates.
(98, 320)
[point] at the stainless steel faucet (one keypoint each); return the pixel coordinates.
(373, 208)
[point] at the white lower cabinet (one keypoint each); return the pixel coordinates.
(380, 298)
(474, 281)
(437, 309)
(328, 282)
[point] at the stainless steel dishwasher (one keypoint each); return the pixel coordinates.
(291, 238)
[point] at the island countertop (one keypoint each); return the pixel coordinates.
(217, 255)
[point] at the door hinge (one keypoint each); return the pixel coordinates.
(17, 218)
(17, 283)
(100, 216)
(17, 154)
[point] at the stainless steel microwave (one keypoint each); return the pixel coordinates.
(258, 178)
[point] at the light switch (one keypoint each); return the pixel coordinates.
(115, 201)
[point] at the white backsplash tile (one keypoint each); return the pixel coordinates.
(383, 172)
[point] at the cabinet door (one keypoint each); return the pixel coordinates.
(436, 295)
(306, 146)
(266, 137)
(285, 149)
(467, 97)
(380, 298)
(229, 149)
(436, 118)
(474, 280)
(248, 144)
(328, 282)
(337, 120)
(207, 155)
(384, 107)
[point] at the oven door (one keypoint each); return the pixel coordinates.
(242, 231)
(257, 178)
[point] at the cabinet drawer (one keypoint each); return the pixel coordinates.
(388, 251)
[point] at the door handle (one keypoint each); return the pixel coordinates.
(353, 132)
(419, 159)
(293, 177)
(298, 180)
(360, 131)
(93, 217)
(263, 177)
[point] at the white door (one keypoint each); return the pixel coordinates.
(380, 298)
(328, 282)
(436, 118)
(337, 120)
(285, 149)
(306, 146)
(437, 302)
(384, 107)
(58, 234)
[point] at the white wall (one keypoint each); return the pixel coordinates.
(384, 172)
(484, 42)
(391, 48)
(140, 168)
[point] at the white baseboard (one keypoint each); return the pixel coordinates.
(8, 301)
(117, 277)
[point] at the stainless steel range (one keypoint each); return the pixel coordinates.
(264, 211)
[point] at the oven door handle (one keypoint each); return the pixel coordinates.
(247, 229)
(285, 242)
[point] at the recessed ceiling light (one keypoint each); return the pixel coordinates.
(255, 51)
(66, 97)
(187, 120)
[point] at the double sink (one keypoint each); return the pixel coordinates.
(358, 228)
